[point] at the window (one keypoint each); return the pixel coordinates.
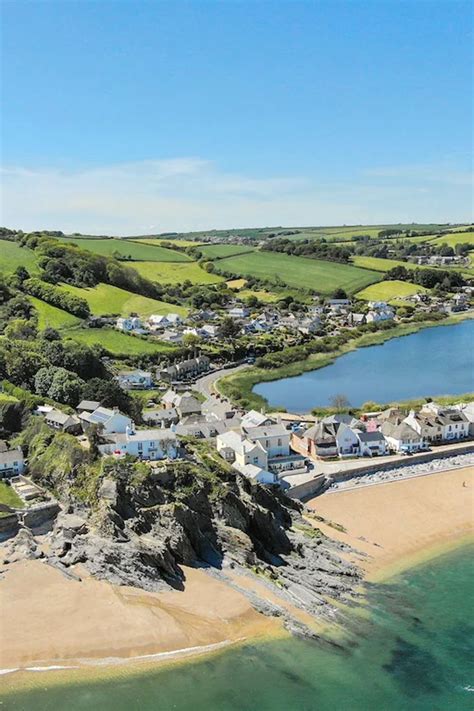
(140, 446)
(279, 442)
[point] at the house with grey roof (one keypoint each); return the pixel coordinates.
(62, 421)
(164, 417)
(402, 438)
(108, 420)
(88, 406)
(135, 379)
(153, 444)
(183, 403)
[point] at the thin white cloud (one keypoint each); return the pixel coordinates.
(185, 194)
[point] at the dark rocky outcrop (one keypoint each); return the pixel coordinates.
(140, 526)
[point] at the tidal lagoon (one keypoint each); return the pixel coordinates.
(409, 647)
(433, 361)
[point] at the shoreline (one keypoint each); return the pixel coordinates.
(399, 524)
(246, 380)
(380, 557)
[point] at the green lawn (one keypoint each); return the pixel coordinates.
(129, 249)
(119, 343)
(9, 496)
(219, 251)
(300, 272)
(175, 273)
(52, 316)
(388, 290)
(13, 256)
(107, 299)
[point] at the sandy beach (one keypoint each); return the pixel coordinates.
(397, 524)
(47, 619)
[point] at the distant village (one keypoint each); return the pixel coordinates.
(206, 325)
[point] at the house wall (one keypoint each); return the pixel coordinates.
(347, 441)
(253, 456)
(118, 423)
(274, 446)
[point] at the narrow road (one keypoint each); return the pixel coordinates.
(206, 384)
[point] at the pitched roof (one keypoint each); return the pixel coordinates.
(401, 431)
(274, 430)
(253, 418)
(88, 405)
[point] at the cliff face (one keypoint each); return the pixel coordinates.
(145, 525)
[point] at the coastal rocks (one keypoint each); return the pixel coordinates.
(22, 547)
(140, 531)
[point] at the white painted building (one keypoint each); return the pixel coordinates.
(151, 444)
(402, 438)
(237, 448)
(274, 438)
(12, 463)
(110, 421)
(135, 379)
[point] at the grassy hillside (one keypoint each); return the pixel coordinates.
(51, 316)
(175, 272)
(388, 290)
(13, 256)
(107, 299)
(219, 251)
(129, 249)
(298, 272)
(118, 343)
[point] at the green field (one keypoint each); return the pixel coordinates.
(127, 249)
(107, 299)
(384, 265)
(13, 256)
(300, 272)
(266, 297)
(175, 272)
(380, 265)
(51, 316)
(219, 251)
(455, 238)
(388, 290)
(164, 240)
(119, 343)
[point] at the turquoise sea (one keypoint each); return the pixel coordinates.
(413, 650)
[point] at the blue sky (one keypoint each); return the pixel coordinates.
(128, 117)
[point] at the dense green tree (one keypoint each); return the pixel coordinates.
(21, 329)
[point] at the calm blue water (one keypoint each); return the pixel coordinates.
(413, 652)
(434, 361)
